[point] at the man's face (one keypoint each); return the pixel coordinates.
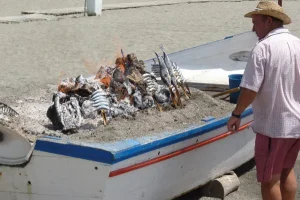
(261, 25)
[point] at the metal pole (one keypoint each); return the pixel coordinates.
(280, 2)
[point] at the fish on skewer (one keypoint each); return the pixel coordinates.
(155, 69)
(152, 87)
(170, 70)
(101, 103)
(7, 110)
(165, 76)
(169, 65)
(180, 78)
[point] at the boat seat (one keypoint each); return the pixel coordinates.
(14, 148)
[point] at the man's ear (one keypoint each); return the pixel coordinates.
(269, 21)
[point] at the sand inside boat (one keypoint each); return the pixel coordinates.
(33, 123)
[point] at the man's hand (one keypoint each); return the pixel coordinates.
(245, 99)
(233, 124)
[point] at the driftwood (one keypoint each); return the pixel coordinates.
(222, 186)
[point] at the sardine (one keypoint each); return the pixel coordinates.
(6, 110)
(178, 74)
(180, 79)
(101, 103)
(169, 66)
(100, 100)
(164, 74)
(151, 84)
(98, 94)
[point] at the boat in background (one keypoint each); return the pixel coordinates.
(207, 66)
(158, 167)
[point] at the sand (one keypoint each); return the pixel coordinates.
(33, 123)
(37, 54)
(15, 7)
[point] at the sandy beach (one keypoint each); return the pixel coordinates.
(35, 56)
(14, 7)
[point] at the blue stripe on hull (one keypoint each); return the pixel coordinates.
(111, 153)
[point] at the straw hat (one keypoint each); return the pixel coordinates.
(271, 9)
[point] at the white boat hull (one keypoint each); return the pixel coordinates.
(208, 66)
(134, 169)
(177, 175)
(150, 168)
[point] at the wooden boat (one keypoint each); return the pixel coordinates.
(151, 168)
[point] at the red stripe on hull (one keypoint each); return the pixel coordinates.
(175, 153)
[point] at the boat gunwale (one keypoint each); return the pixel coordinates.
(205, 44)
(176, 153)
(111, 153)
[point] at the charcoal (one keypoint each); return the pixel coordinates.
(163, 95)
(88, 111)
(142, 102)
(65, 112)
(123, 109)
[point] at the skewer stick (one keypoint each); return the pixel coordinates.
(157, 104)
(178, 96)
(186, 85)
(173, 97)
(104, 117)
(186, 95)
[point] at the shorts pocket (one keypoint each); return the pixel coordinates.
(262, 145)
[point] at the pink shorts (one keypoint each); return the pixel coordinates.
(274, 154)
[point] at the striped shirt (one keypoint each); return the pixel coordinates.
(273, 71)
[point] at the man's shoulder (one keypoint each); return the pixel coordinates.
(294, 37)
(259, 49)
(279, 36)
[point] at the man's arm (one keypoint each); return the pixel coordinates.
(246, 97)
(251, 83)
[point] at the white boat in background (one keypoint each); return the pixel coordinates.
(150, 168)
(207, 66)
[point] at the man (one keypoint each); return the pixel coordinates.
(271, 83)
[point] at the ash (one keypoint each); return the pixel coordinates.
(33, 123)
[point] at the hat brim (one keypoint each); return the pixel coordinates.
(286, 19)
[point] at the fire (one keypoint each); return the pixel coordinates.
(102, 69)
(117, 88)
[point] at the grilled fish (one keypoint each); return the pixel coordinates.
(165, 77)
(6, 110)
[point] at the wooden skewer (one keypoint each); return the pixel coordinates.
(178, 96)
(104, 117)
(186, 95)
(187, 87)
(157, 104)
(173, 97)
